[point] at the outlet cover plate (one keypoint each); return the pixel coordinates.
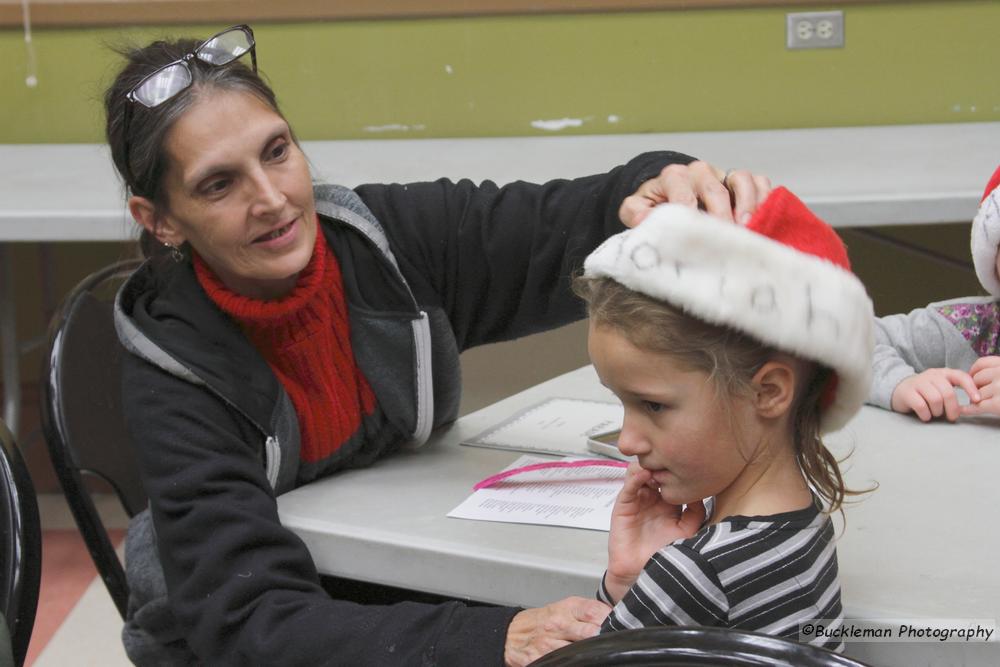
(814, 30)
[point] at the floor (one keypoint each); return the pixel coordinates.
(76, 622)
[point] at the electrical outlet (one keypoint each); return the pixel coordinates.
(814, 30)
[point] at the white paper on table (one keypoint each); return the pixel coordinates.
(574, 497)
(557, 426)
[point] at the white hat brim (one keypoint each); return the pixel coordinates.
(728, 275)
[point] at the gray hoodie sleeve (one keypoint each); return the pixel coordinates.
(910, 343)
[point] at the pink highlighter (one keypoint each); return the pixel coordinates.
(582, 463)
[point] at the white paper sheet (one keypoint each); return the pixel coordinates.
(557, 426)
(574, 497)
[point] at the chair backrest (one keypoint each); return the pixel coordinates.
(692, 647)
(20, 546)
(82, 415)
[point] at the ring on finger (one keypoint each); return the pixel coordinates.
(725, 178)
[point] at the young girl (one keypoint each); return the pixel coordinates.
(920, 357)
(732, 348)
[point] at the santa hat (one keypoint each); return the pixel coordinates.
(986, 236)
(784, 279)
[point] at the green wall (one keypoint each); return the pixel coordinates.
(620, 72)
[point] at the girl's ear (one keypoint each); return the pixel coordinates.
(160, 227)
(774, 387)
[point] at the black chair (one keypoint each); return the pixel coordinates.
(21, 547)
(692, 647)
(82, 415)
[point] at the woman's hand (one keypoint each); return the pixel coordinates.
(986, 376)
(932, 393)
(642, 523)
(534, 632)
(733, 195)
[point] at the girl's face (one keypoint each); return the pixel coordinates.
(239, 191)
(674, 422)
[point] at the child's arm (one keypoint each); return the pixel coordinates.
(986, 375)
(677, 587)
(641, 524)
(907, 345)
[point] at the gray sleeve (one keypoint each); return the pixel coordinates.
(910, 343)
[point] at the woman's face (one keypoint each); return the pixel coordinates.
(239, 191)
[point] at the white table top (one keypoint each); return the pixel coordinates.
(860, 176)
(923, 546)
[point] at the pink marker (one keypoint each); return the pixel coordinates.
(582, 463)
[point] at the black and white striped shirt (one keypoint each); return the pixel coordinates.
(763, 573)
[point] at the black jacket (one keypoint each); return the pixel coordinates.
(429, 269)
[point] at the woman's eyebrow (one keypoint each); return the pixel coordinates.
(207, 171)
(223, 166)
(277, 133)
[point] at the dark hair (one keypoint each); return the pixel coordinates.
(731, 359)
(148, 127)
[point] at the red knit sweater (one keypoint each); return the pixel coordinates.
(305, 339)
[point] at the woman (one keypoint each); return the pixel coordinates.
(282, 331)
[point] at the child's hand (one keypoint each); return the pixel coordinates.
(932, 393)
(986, 374)
(642, 523)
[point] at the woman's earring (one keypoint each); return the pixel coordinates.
(175, 253)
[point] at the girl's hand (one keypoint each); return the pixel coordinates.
(986, 375)
(641, 524)
(932, 393)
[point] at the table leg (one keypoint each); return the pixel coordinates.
(9, 351)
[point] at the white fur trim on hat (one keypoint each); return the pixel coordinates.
(986, 242)
(726, 274)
